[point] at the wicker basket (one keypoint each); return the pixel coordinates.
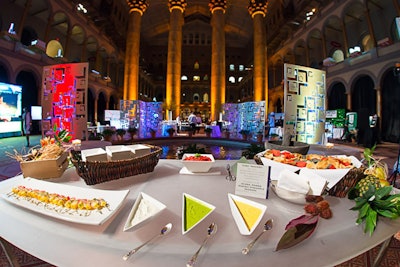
(347, 182)
(103, 171)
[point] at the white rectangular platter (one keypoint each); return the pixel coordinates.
(114, 200)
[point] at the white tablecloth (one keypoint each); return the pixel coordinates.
(216, 130)
(337, 133)
(70, 244)
(276, 130)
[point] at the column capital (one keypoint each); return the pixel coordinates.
(137, 5)
(257, 7)
(217, 5)
(177, 4)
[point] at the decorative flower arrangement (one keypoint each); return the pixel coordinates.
(373, 195)
(300, 228)
(51, 147)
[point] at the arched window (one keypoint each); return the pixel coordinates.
(196, 97)
(184, 78)
(205, 98)
(232, 79)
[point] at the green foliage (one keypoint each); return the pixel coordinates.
(207, 130)
(170, 130)
(121, 131)
(252, 150)
(244, 132)
(108, 132)
(132, 130)
(368, 152)
(191, 149)
(376, 202)
(62, 136)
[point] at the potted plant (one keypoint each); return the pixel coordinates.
(208, 131)
(252, 150)
(226, 132)
(121, 133)
(171, 131)
(108, 134)
(260, 136)
(244, 133)
(152, 132)
(132, 131)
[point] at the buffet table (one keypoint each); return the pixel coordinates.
(65, 243)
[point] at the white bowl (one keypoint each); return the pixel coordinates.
(246, 213)
(198, 166)
(144, 209)
(194, 209)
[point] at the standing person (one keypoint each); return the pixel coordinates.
(192, 121)
(199, 121)
(178, 123)
(26, 124)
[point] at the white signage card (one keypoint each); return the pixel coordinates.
(252, 180)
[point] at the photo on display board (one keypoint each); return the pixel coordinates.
(290, 74)
(312, 116)
(310, 102)
(301, 138)
(300, 126)
(302, 76)
(310, 129)
(293, 88)
(302, 113)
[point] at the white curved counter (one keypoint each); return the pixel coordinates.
(70, 244)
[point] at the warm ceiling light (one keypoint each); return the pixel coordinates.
(81, 8)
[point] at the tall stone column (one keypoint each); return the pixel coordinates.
(396, 7)
(173, 85)
(50, 21)
(379, 101)
(370, 26)
(67, 42)
(131, 71)
(95, 107)
(349, 103)
(345, 39)
(218, 79)
(258, 10)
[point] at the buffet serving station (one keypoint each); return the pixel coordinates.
(66, 243)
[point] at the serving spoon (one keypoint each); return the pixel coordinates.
(267, 226)
(165, 230)
(212, 229)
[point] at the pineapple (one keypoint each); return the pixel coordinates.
(363, 185)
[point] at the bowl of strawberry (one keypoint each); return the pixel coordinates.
(198, 162)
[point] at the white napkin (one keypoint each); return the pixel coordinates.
(306, 183)
(317, 182)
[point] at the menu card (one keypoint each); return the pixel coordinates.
(252, 180)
